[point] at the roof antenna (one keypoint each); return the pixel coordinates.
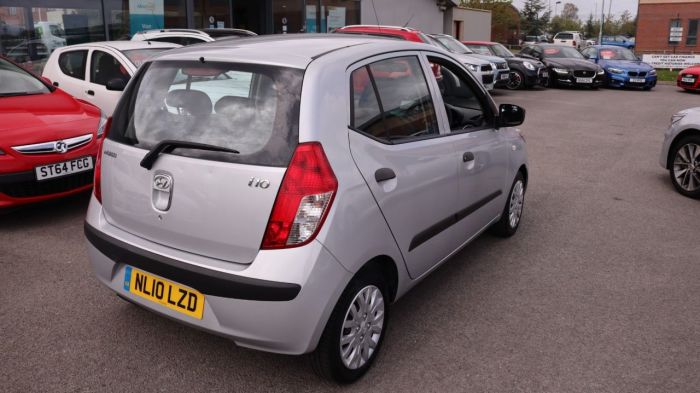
(376, 15)
(409, 20)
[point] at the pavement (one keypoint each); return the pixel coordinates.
(599, 291)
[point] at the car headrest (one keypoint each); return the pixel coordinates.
(231, 104)
(190, 102)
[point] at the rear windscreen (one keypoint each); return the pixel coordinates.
(565, 36)
(253, 109)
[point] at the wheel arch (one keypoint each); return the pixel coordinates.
(523, 170)
(676, 140)
(386, 266)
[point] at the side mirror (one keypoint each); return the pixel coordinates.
(587, 57)
(510, 115)
(116, 84)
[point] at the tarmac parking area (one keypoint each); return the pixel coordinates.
(599, 291)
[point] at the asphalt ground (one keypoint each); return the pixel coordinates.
(599, 291)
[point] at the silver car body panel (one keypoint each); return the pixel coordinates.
(690, 121)
(356, 230)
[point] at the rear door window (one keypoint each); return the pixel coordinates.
(253, 109)
(391, 101)
(73, 63)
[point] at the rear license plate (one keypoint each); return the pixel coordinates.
(65, 168)
(637, 80)
(688, 80)
(166, 293)
(584, 80)
(505, 76)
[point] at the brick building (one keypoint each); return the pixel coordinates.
(668, 26)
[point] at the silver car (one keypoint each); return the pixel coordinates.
(501, 74)
(680, 153)
(284, 191)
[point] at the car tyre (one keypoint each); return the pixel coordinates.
(685, 166)
(350, 330)
(513, 209)
(516, 81)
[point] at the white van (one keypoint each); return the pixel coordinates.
(570, 38)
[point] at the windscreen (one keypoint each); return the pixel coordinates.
(501, 51)
(139, 56)
(480, 49)
(559, 52)
(617, 54)
(253, 109)
(16, 82)
(453, 45)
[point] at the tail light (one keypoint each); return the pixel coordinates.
(574, 43)
(303, 200)
(97, 181)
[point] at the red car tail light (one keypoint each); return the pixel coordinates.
(304, 199)
(97, 181)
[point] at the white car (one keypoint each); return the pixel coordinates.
(98, 72)
(570, 38)
(190, 36)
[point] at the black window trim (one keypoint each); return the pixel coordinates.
(376, 92)
(490, 121)
(84, 65)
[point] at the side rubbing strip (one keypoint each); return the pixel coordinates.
(443, 224)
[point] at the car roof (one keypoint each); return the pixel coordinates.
(607, 47)
(479, 42)
(126, 45)
(288, 50)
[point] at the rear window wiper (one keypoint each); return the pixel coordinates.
(168, 146)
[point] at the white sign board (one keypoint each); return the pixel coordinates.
(675, 34)
(671, 61)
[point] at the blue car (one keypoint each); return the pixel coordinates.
(622, 67)
(618, 40)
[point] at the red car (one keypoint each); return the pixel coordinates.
(48, 139)
(689, 78)
(402, 33)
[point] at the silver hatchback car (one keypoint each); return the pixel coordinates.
(285, 191)
(680, 152)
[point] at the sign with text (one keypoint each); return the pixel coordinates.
(146, 15)
(671, 61)
(675, 34)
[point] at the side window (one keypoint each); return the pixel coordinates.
(463, 106)
(391, 101)
(104, 67)
(527, 51)
(73, 63)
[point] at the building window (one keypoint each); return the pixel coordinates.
(692, 32)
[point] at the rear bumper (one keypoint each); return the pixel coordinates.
(499, 77)
(247, 303)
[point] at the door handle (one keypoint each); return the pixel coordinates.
(90, 92)
(55, 84)
(468, 156)
(384, 174)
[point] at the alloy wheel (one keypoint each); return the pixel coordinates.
(362, 327)
(686, 167)
(515, 81)
(515, 209)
